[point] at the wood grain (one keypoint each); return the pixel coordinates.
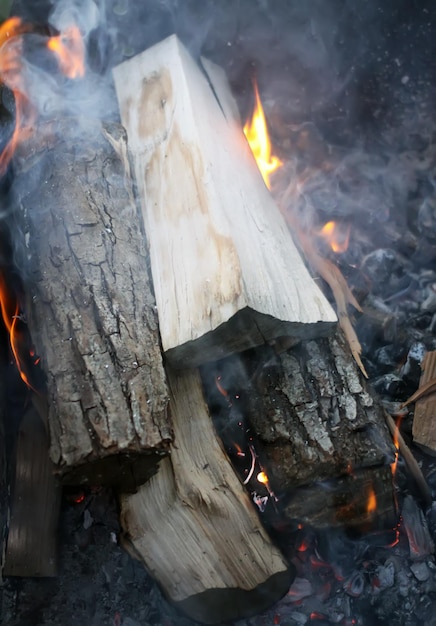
(194, 526)
(226, 272)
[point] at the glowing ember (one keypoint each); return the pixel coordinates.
(257, 136)
(69, 49)
(79, 498)
(336, 235)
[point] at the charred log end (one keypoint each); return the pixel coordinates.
(246, 329)
(123, 472)
(231, 604)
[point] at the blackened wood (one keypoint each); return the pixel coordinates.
(362, 500)
(194, 526)
(91, 311)
(35, 503)
(311, 414)
(226, 271)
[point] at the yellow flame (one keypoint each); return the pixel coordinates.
(262, 477)
(256, 132)
(69, 49)
(336, 235)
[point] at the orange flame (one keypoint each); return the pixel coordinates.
(396, 442)
(10, 312)
(256, 132)
(371, 505)
(70, 52)
(69, 49)
(11, 75)
(336, 235)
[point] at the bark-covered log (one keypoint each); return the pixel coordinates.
(312, 417)
(91, 311)
(194, 526)
(226, 272)
(424, 427)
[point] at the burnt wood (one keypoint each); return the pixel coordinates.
(91, 312)
(313, 419)
(194, 526)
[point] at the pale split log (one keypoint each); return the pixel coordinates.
(424, 427)
(226, 273)
(90, 307)
(32, 540)
(194, 526)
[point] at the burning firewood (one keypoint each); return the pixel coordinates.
(195, 528)
(226, 272)
(320, 432)
(90, 311)
(424, 430)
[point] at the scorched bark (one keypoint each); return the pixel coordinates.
(91, 311)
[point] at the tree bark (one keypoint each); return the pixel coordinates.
(91, 311)
(194, 526)
(424, 429)
(226, 272)
(312, 419)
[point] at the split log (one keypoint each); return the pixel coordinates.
(314, 422)
(35, 504)
(194, 526)
(91, 312)
(226, 273)
(424, 429)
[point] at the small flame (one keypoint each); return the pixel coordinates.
(69, 49)
(396, 442)
(256, 132)
(262, 478)
(336, 235)
(371, 504)
(11, 314)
